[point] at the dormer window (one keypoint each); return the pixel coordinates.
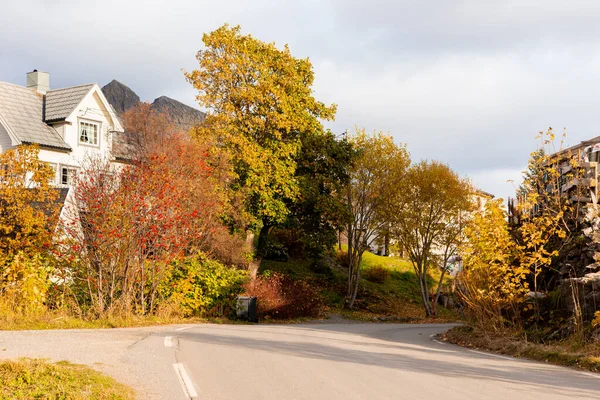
(88, 133)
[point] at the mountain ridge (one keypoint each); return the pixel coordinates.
(122, 98)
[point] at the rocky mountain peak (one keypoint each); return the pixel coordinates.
(120, 96)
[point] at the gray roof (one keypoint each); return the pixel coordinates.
(21, 110)
(123, 146)
(60, 103)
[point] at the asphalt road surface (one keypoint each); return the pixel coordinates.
(312, 361)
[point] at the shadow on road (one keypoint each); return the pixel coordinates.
(400, 348)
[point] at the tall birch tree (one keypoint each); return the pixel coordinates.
(424, 214)
(379, 166)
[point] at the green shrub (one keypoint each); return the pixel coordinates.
(376, 274)
(199, 286)
(276, 252)
(323, 265)
(290, 240)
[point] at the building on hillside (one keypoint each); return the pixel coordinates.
(578, 166)
(480, 198)
(70, 124)
(577, 179)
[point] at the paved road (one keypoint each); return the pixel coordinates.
(319, 361)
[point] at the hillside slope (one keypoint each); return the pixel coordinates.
(396, 299)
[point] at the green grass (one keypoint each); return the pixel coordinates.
(396, 299)
(39, 379)
(393, 263)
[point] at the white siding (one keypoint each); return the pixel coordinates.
(5, 141)
(91, 109)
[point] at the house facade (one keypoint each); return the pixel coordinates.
(70, 125)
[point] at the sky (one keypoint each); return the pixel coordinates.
(469, 83)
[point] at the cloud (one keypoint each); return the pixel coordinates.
(467, 82)
(501, 182)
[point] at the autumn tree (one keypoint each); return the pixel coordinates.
(492, 283)
(136, 220)
(28, 207)
(549, 202)
(150, 132)
(29, 210)
(146, 131)
(424, 215)
(322, 172)
(260, 102)
(380, 166)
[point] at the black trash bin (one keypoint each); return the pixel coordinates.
(246, 308)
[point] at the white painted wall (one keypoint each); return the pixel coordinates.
(91, 109)
(5, 140)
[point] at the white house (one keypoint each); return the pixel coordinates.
(70, 125)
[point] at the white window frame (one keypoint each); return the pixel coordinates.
(69, 178)
(98, 126)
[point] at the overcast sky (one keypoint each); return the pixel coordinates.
(467, 82)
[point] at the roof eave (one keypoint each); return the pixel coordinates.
(50, 147)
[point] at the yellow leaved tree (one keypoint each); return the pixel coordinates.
(260, 102)
(490, 283)
(28, 213)
(28, 208)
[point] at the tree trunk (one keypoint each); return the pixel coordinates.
(263, 239)
(425, 297)
(437, 294)
(354, 259)
(354, 290)
(421, 273)
(386, 244)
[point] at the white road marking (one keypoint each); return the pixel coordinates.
(183, 329)
(186, 382)
(168, 341)
(493, 355)
(435, 340)
(593, 375)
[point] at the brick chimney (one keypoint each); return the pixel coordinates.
(38, 81)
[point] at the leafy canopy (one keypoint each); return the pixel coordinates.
(28, 208)
(492, 282)
(260, 101)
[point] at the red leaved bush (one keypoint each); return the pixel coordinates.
(280, 297)
(129, 223)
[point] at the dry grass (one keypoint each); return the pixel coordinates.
(39, 379)
(63, 320)
(565, 353)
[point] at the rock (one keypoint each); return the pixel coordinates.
(536, 295)
(121, 97)
(184, 116)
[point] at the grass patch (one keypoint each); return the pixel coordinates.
(39, 379)
(586, 357)
(395, 299)
(63, 320)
